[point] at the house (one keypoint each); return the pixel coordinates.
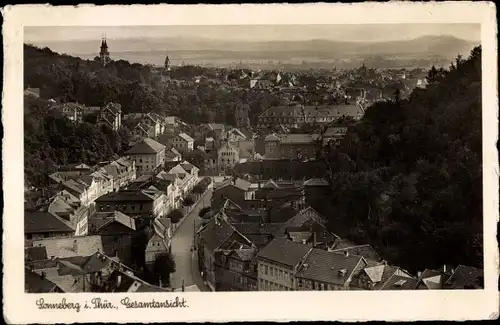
(87, 188)
(277, 263)
(144, 130)
(171, 122)
(316, 191)
(135, 203)
(235, 136)
(234, 189)
(183, 142)
(72, 111)
(122, 280)
(160, 241)
(116, 230)
(38, 283)
(291, 146)
(111, 114)
(432, 279)
(226, 257)
(43, 224)
(281, 169)
(228, 156)
(148, 156)
(218, 130)
(61, 247)
(380, 276)
(210, 144)
(210, 163)
(333, 135)
(323, 270)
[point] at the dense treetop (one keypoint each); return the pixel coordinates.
(408, 177)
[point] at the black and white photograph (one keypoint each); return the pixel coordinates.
(252, 157)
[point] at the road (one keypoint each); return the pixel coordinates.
(181, 248)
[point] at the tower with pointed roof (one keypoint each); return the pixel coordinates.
(104, 53)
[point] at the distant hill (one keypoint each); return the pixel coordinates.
(436, 46)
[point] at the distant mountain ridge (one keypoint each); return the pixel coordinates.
(442, 46)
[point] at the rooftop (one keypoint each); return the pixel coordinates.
(44, 222)
(328, 267)
(146, 146)
(62, 247)
(284, 252)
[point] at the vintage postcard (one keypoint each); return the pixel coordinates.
(250, 162)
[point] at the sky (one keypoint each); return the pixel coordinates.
(358, 32)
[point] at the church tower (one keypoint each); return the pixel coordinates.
(167, 63)
(104, 53)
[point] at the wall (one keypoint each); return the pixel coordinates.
(274, 277)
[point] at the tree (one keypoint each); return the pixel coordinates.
(204, 211)
(175, 216)
(198, 189)
(164, 266)
(188, 201)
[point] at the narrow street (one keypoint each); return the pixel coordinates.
(181, 248)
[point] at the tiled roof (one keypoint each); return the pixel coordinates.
(397, 282)
(284, 252)
(146, 146)
(328, 267)
(125, 195)
(35, 283)
(62, 247)
(466, 277)
(41, 222)
(119, 217)
(59, 206)
(35, 253)
(216, 231)
(75, 187)
(247, 228)
(271, 185)
(362, 250)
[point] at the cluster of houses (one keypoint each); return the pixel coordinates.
(81, 239)
(269, 238)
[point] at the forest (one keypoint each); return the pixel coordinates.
(408, 177)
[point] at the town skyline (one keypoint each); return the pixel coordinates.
(257, 33)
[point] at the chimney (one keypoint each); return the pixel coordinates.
(75, 246)
(118, 280)
(419, 274)
(346, 253)
(42, 275)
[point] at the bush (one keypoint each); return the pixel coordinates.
(164, 265)
(175, 216)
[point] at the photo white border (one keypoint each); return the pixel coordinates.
(247, 306)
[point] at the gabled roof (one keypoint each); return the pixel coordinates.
(117, 216)
(272, 137)
(216, 126)
(466, 277)
(216, 232)
(329, 267)
(125, 195)
(271, 185)
(44, 222)
(61, 247)
(366, 251)
(146, 146)
(375, 272)
(185, 137)
(35, 283)
(284, 252)
(398, 282)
